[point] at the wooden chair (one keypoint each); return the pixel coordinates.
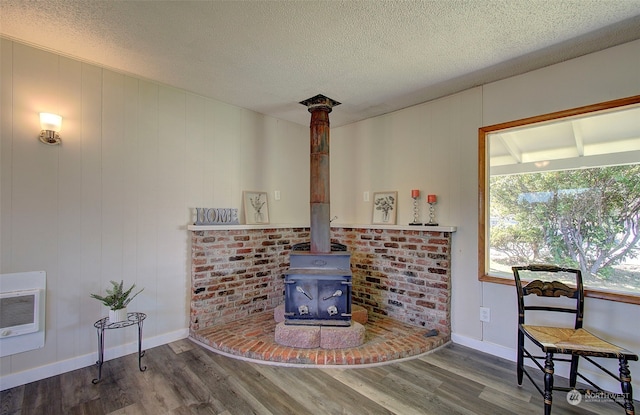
(572, 342)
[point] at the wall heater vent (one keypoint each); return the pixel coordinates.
(19, 311)
(22, 311)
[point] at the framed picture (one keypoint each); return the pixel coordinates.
(256, 208)
(384, 208)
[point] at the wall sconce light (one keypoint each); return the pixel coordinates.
(50, 124)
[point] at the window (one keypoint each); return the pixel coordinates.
(564, 188)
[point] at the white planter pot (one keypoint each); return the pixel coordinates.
(117, 315)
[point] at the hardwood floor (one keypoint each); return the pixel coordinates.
(183, 378)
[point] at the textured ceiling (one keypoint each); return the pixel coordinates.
(373, 56)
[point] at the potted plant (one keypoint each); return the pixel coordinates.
(117, 299)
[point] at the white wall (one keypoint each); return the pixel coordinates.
(598, 77)
(113, 201)
(433, 147)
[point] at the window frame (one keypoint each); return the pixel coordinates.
(483, 187)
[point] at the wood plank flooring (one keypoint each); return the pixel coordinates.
(183, 378)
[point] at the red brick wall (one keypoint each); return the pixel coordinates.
(403, 274)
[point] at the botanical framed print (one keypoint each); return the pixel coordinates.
(256, 208)
(384, 208)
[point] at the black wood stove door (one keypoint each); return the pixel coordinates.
(320, 300)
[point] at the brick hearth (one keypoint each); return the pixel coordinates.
(252, 338)
(400, 275)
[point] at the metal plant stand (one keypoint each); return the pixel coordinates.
(104, 324)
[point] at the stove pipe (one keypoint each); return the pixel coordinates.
(320, 106)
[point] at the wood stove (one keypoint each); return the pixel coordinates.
(318, 282)
(318, 288)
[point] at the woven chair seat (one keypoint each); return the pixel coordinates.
(573, 341)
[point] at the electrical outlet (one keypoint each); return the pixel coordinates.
(485, 314)
(276, 195)
(365, 196)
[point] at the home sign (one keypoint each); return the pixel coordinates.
(216, 216)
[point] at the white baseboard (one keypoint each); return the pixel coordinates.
(485, 347)
(58, 368)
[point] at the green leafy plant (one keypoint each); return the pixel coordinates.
(117, 298)
(582, 218)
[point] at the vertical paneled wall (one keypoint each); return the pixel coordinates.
(113, 201)
(432, 147)
(607, 75)
(110, 203)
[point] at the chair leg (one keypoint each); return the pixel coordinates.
(625, 384)
(548, 383)
(520, 362)
(573, 374)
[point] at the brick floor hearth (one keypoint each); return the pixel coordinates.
(253, 338)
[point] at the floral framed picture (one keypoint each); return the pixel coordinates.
(384, 208)
(256, 208)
